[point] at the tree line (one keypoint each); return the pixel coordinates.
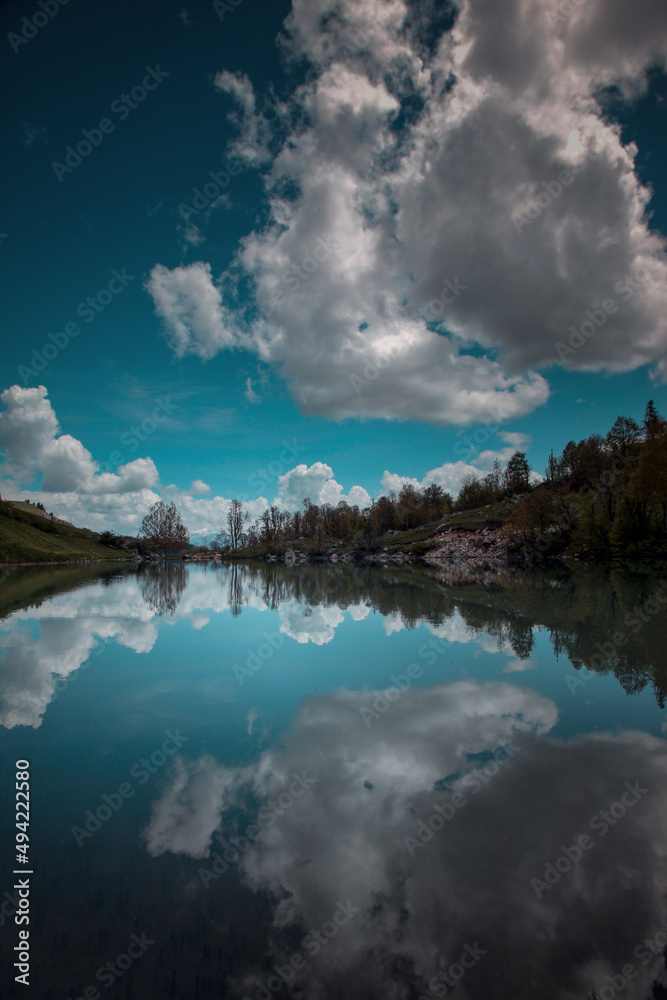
(604, 494)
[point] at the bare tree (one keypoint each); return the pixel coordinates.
(164, 530)
(236, 518)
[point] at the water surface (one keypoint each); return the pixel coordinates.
(332, 782)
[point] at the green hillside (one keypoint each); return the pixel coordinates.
(27, 536)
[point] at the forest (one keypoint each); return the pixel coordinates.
(603, 495)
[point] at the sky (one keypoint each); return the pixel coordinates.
(275, 250)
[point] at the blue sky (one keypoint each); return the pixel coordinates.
(377, 152)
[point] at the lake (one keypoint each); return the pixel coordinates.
(328, 781)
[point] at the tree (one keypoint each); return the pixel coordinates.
(530, 524)
(473, 492)
(651, 418)
(494, 479)
(552, 471)
(517, 473)
(649, 481)
(163, 528)
(623, 434)
(236, 518)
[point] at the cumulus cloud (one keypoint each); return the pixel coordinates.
(198, 488)
(42, 646)
(190, 305)
(428, 150)
(316, 481)
(513, 441)
(31, 444)
(450, 475)
(67, 481)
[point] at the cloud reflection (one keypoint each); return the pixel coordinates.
(471, 881)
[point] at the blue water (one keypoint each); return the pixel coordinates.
(359, 778)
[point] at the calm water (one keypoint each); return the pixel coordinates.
(223, 796)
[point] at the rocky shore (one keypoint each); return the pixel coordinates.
(483, 549)
(474, 549)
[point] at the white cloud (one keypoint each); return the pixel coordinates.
(514, 442)
(70, 627)
(191, 307)
(73, 489)
(192, 236)
(451, 474)
(250, 393)
(309, 624)
(433, 202)
(31, 443)
(317, 482)
(252, 146)
(198, 488)
(448, 476)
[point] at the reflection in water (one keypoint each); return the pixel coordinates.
(363, 815)
(438, 818)
(235, 597)
(162, 585)
(605, 622)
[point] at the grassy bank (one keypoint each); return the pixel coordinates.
(28, 537)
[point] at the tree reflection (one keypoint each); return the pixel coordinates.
(162, 586)
(235, 593)
(582, 608)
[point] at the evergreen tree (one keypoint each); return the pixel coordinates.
(517, 473)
